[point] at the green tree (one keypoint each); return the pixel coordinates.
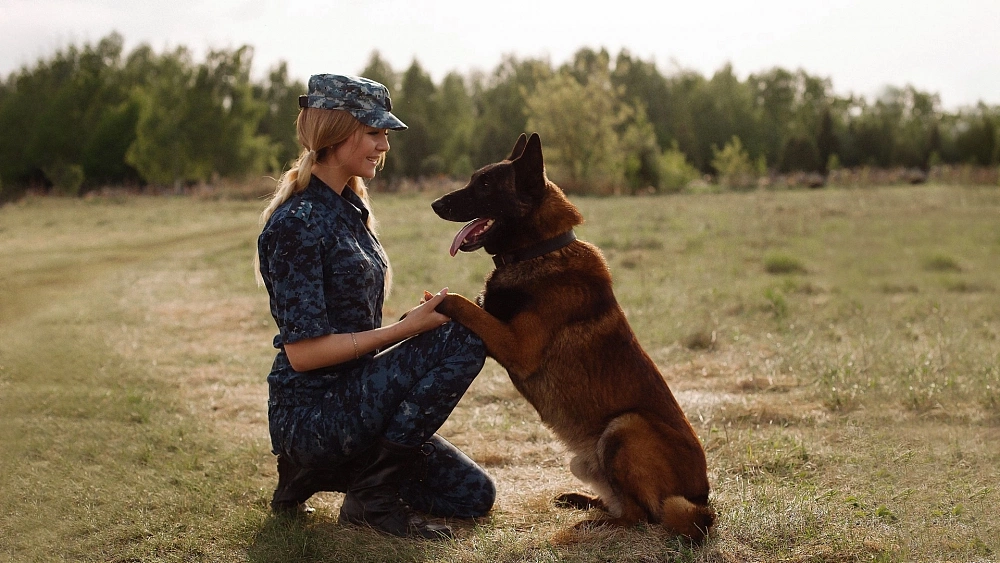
(231, 115)
(719, 109)
(640, 151)
(787, 105)
(911, 114)
(827, 144)
(872, 135)
(588, 64)
(578, 126)
(974, 133)
(415, 107)
(54, 134)
(642, 85)
(103, 156)
(280, 96)
(800, 154)
(379, 70)
(687, 96)
(198, 121)
(162, 152)
(777, 96)
(501, 106)
(51, 112)
(454, 119)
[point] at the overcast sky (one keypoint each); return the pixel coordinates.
(948, 47)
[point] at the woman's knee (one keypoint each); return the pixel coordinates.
(464, 342)
(482, 502)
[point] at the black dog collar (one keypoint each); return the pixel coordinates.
(540, 249)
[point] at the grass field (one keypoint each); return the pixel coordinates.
(836, 350)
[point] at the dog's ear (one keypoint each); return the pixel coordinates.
(531, 156)
(518, 147)
(529, 167)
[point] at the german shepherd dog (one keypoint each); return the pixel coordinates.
(549, 316)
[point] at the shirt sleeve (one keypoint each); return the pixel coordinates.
(296, 271)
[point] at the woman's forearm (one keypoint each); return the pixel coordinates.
(333, 349)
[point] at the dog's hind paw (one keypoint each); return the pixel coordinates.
(578, 501)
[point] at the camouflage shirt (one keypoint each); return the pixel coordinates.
(325, 274)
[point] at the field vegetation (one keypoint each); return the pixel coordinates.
(836, 351)
(97, 114)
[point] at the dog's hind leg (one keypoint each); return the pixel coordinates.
(639, 462)
(632, 458)
(587, 468)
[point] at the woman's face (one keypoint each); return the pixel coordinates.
(360, 154)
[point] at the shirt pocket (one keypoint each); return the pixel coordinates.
(351, 274)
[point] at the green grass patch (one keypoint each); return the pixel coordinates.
(783, 264)
(941, 263)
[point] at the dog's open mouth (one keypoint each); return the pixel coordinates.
(470, 238)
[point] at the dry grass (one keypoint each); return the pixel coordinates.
(849, 406)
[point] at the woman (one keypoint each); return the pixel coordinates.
(354, 406)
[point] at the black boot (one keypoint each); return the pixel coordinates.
(373, 498)
(296, 484)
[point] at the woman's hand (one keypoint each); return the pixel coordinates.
(423, 317)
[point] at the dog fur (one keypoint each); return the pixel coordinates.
(553, 322)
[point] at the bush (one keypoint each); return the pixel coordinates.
(734, 166)
(941, 263)
(66, 178)
(783, 264)
(675, 170)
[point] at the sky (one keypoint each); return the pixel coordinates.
(947, 47)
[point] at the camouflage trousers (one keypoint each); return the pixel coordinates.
(403, 395)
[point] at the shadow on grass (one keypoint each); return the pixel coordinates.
(316, 538)
(310, 539)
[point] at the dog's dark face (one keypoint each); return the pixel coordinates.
(497, 201)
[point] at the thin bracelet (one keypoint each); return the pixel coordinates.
(356, 354)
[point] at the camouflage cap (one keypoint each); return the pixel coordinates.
(365, 99)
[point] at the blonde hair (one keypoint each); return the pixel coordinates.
(319, 131)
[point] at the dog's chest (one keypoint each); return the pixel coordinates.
(504, 303)
(508, 292)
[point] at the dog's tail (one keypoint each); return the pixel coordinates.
(687, 518)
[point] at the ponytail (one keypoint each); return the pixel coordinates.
(293, 181)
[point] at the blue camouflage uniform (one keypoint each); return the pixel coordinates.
(325, 273)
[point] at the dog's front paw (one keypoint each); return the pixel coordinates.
(450, 305)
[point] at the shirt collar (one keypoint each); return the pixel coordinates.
(347, 203)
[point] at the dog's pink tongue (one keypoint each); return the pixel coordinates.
(470, 227)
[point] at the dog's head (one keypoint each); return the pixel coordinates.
(508, 204)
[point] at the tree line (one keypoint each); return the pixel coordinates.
(95, 115)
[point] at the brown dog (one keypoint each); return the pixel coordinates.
(549, 316)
